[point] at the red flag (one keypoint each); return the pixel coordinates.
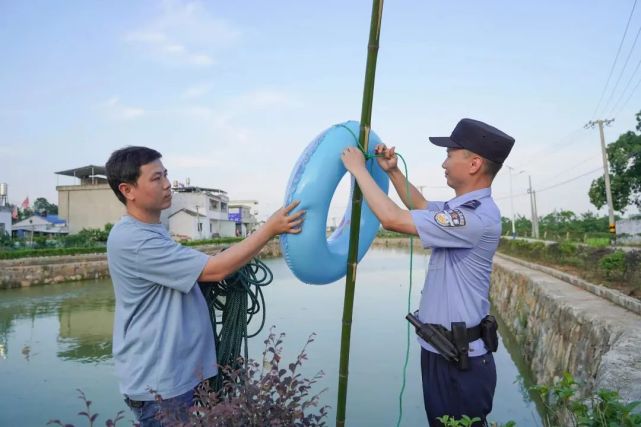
(14, 214)
(25, 203)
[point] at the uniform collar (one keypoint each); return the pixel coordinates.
(472, 195)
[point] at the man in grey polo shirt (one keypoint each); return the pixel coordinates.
(463, 234)
(163, 342)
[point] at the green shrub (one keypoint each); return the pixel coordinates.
(613, 264)
(603, 409)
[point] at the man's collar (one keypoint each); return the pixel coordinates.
(472, 195)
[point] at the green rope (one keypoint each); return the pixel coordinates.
(239, 297)
(409, 293)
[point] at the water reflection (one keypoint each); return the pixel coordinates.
(84, 312)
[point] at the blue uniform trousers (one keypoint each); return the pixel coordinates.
(450, 391)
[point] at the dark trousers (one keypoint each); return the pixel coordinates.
(171, 411)
(450, 391)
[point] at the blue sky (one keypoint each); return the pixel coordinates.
(232, 92)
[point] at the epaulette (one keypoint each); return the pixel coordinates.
(472, 204)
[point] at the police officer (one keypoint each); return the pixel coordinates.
(463, 234)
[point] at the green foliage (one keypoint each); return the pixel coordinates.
(604, 409)
(465, 421)
(624, 157)
(386, 234)
(597, 242)
(602, 263)
(28, 253)
(41, 204)
(216, 241)
(560, 225)
(613, 264)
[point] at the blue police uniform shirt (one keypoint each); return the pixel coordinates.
(162, 337)
(463, 234)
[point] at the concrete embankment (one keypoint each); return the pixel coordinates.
(561, 327)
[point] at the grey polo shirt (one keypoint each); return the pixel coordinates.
(162, 336)
(463, 234)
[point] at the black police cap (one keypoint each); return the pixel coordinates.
(479, 138)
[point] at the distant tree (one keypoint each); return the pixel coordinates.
(522, 226)
(24, 213)
(42, 204)
(624, 156)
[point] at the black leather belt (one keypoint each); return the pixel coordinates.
(473, 333)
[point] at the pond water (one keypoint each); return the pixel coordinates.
(55, 339)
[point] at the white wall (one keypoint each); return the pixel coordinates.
(5, 220)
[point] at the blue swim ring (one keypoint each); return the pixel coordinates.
(310, 255)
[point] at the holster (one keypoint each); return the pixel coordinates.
(460, 340)
(489, 335)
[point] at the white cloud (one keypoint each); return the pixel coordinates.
(184, 33)
(118, 111)
(266, 98)
(198, 90)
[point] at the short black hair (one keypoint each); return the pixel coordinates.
(491, 168)
(124, 166)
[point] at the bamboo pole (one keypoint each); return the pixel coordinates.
(357, 200)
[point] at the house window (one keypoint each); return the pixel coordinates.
(213, 205)
(223, 206)
(200, 226)
(211, 227)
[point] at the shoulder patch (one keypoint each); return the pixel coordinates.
(450, 218)
(472, 204)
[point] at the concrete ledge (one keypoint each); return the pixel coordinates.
(619, 298)
(564, 328)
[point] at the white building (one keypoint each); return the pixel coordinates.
(48, 224)
(198, 213)
(5, 220)
(243, 212)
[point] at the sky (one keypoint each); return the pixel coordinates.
(231, 93)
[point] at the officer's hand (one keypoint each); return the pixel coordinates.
(389, 161)
(282, 222)
(353, 159)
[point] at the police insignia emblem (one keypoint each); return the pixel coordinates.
(450, 218)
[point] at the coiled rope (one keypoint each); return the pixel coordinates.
(237, 298)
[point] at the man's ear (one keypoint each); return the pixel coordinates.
(476, 164)
(127, 190)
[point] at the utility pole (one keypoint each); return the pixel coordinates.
(535, 216)
(606, 175)
(510, 168)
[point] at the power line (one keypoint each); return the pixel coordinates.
(576, 165)
(615, 59)
(552, 186)
(561, 144)
(616, 104)
(629, 97)
(570, 180)
(636, 38)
